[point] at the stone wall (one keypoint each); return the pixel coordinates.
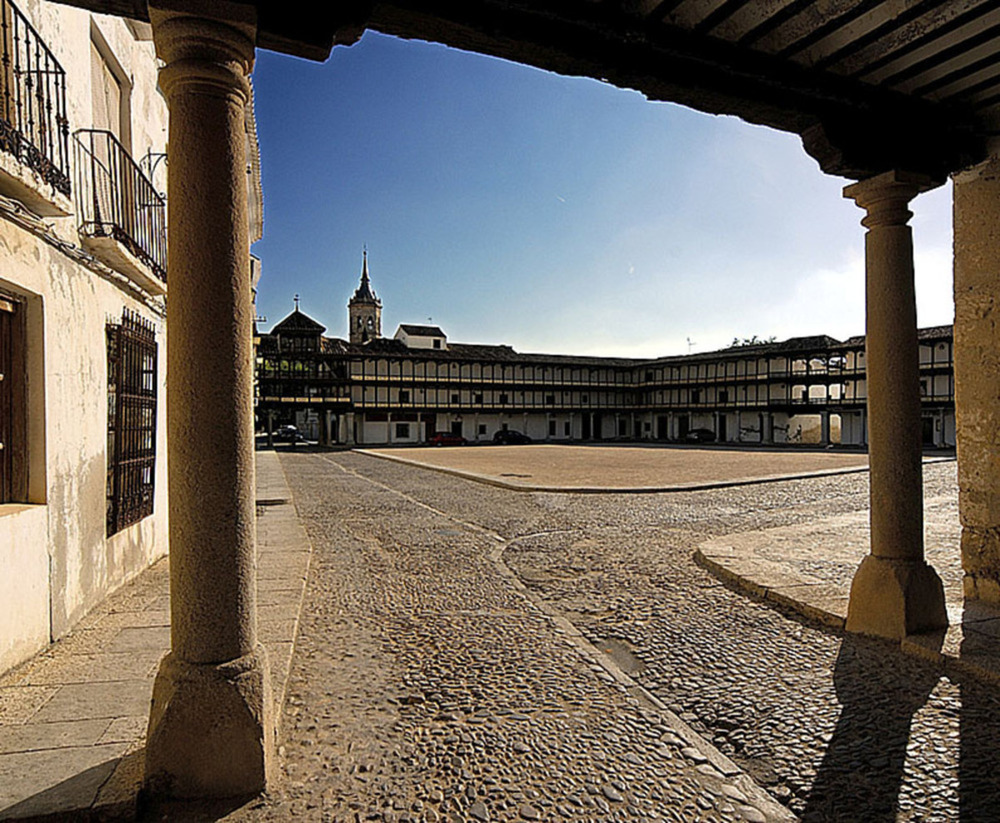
(977, 375)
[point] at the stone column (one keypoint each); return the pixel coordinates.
(824, 428)
(977, 374)
(211, 728)
(894, 592)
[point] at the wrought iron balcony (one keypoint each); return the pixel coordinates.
(122, 217)
(33, 124)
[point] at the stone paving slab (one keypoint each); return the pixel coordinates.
(770, 564)
(73, 718)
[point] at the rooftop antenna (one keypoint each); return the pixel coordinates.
(297, 305)
(691, 344)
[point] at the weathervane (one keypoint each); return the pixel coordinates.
(296, 302)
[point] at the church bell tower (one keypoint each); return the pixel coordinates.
(364, 310)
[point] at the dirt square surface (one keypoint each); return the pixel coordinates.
(631, 467)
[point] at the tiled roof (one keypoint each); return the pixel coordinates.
(422, 331)
(817, 344)
(298, 322)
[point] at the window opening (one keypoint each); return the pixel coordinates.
(132, 352)
(13, 457)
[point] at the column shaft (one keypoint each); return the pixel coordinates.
(209, 362)
(211, 729)
(893, 372)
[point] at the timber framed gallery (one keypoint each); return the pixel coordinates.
(894, 96)
(404, 389)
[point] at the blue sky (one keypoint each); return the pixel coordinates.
(555, 214)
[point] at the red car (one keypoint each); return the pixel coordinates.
(446, 439)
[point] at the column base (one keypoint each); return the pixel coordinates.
(893, 598)
(211, 728)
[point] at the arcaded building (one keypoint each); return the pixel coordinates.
(369, 389)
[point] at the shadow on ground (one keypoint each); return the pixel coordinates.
(866, 756)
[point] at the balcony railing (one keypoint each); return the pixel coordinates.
(115, 199)
(33, 123)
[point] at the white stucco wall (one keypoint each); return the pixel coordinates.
(56, 559)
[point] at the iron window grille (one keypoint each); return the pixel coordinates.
(115, 199)
(131, 421)
(33, 123)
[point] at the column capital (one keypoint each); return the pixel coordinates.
(206, 46)
(885, 196)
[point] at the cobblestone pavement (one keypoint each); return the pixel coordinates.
(426, 686)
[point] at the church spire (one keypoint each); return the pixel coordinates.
(364, 291)
(365, 284)
(364, 310)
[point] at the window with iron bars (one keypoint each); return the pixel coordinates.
(131, 421)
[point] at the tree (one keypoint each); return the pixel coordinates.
(751, 341)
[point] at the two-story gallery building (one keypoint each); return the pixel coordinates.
(369, 389)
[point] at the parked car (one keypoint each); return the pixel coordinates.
(700, 436)
(288, 434)
(510, 437)
(446, 439)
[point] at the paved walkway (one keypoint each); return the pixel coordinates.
(808, 568)
(73, 719)
(472, 653)
(430, 684)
